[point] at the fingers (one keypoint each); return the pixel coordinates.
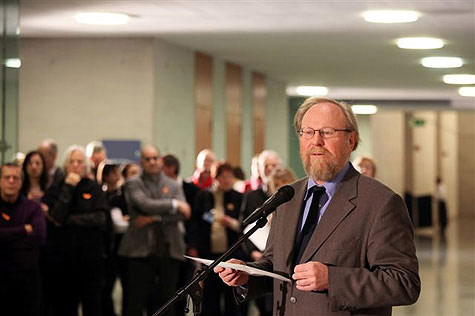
(311, 276)
(184, 208)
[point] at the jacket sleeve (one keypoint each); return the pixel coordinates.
(60, 210)
(18, 232)
(391, 276)
(96, 217)
(148, 206)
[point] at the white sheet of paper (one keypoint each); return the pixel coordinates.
(241, 267)
(259, 238)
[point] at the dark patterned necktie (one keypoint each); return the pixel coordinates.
(310, 223)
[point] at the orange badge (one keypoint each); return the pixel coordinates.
(5, 216)
(230, 206)
(165, 190)
(86, 196)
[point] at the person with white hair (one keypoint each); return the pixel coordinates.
(75, 245)
(202, 177)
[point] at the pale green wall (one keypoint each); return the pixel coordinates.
(78, 90)
(132, 89)
(219, 109)
(174, 105)
(365, 145)
(247, 129)
(276, 112)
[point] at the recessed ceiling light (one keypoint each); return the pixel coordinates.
(459, 79)
(364, 109)
(390, 16)
(310, 91)
(102, 18)
(467, 91)
(442, 62)
(13, 62)
(420, 43)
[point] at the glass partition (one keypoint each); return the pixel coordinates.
(9, 50)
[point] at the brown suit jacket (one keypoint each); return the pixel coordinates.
(366, 239)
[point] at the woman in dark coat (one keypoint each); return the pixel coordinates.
(76, 245)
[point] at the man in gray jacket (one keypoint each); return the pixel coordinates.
(154, 242)
(345, 240)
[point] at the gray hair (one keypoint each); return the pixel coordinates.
(51, 145)
(69, 152)
(261, 160)
(350, 117)
(94, 147)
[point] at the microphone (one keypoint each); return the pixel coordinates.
(284, 194)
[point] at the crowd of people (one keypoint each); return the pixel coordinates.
(70, 232)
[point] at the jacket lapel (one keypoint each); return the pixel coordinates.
(292, 213)
(340, 206)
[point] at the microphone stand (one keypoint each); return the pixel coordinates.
(193, 288)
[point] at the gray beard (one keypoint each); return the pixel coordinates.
(323, 171)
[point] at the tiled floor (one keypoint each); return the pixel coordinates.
(447, 271)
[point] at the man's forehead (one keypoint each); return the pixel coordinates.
(148, 152)
(11, 170)
(324, 112)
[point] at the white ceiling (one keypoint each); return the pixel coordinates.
(299, 42)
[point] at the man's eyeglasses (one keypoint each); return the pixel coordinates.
(148, 159)
(325, 132)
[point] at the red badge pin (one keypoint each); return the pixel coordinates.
(165, 190)
(87, 196)
(5, 216)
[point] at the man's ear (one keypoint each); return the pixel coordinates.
(352, 140)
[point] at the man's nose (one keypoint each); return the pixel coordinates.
(317, 139)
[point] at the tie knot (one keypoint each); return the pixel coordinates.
(316, 191)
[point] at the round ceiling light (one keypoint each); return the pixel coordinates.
(102, 18)
(420, 43)
(442, 62)
(390, 16)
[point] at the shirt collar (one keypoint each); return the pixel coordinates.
(331, 185)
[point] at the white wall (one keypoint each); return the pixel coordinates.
(79, 90)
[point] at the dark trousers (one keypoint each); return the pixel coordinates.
(152, 281)
(264, 304)
(20, 293)
(213, 292)
(185, 275)
(76, 278)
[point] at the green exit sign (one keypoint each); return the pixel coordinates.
(417, 122)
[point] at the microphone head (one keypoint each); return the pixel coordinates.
(285, 193)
